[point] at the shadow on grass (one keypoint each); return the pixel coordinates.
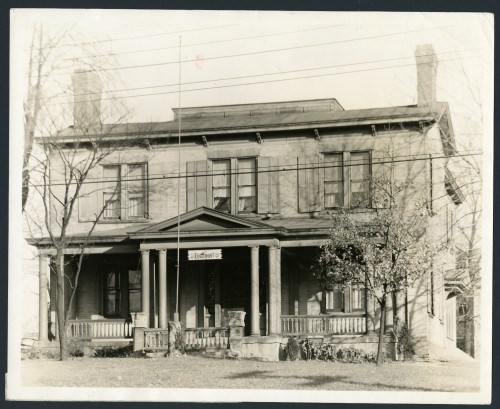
(324, 381)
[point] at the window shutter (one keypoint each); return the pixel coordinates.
(88, 199)
(197, 184)
(191, 185)
(308, 183)
(268, 185)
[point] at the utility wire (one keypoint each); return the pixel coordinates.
(259, 82)
(264, 74)
(287, 169)
(255, 52)
(201, 43)
(138, 37)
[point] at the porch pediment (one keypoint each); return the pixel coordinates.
(203, 219)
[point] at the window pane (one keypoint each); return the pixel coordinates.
(333, 167)
(136, 205)
(221, 173)
(334, 194)
(135, 177)
(112, 295)
(111, 175)
(112, 203)
(334, 300)
(360, 196)
(246, 172)
(360, 167)
(358, 298)
(247, 202)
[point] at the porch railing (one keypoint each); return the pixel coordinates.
(105, 328)
(156, 339)
(215, 337)
(353, 323)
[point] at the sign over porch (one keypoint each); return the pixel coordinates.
(211, 254)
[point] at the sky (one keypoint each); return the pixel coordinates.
(363, 60)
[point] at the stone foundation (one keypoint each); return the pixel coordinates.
(266, 348)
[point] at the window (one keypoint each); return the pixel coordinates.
(111, 192)
(122, 292)
(222, 185)
(358, 298)
(112, 295)
(124, 184)
(334, 180)
(360, 179)
(348, 299)
(246, 186)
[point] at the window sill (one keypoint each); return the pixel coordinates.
(144, 220)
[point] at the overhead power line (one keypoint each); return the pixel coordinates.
(258, 82)
(264, 74)
(202, 43)
(271, 169)
(138, 37)
(255, 52)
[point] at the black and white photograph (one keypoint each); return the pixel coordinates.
(250, 206)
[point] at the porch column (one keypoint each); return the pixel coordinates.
(278, 289)
(254, 291)
(389, 313)
(162, 282)
(273, 291)
(145, 281)
(43, 319)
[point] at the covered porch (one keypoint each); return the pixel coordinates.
(226, 263)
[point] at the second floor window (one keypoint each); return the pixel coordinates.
(124, 191)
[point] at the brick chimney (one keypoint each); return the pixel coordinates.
(426, 74)
(87, 88)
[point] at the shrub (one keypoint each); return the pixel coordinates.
(75, 348)
(292, 349)
(405, 342)
(180, 343)
(31, 353)
(113, 352)
(331, 353)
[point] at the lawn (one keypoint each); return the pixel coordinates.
(204, 372)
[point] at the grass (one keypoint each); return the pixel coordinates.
(204, 372)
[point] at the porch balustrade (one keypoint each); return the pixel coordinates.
(323, 324)
(106, 328)
(215, 337)
(156, 339)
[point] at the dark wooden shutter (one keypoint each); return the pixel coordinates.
(197, 184)
(309, 183)
(88, 198)
(268, 185)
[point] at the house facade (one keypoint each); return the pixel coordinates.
(229, 217)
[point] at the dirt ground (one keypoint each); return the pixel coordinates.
(204, 372)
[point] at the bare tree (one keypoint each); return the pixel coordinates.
(59, 167)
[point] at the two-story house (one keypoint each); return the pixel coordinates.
(229, 216)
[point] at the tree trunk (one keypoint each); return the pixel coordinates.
(381, 330)
(60, 305)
